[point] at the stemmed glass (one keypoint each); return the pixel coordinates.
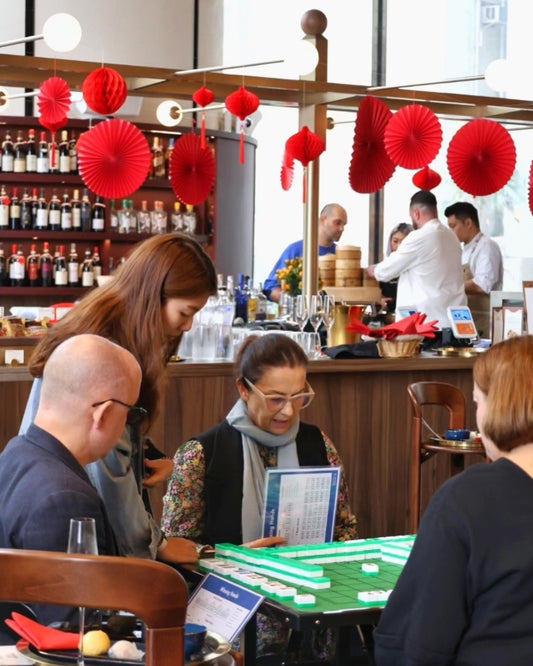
(82, 539)
(328, 306)
(301, 310)
(316, 311)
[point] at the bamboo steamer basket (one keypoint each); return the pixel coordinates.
(348, 252)
(347, 282)
(347, 264)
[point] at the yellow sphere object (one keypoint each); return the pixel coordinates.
(96, 643)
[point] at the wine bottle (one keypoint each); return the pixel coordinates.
(19, 159)
(113, 216)
(31, 152)
(85, 211)
(14, 210)
(25, 211)
(96, 264)
(73, 153)
(32, 267)
(34, 204)
(41, 220)
(17, 267)
(4, 277)
(66, 213)
(54, 212)
(8, 154)
(43, 156)
(61, 272)
(53, 154)
(4, 209)
(73, 267)
(98, 215)
(75, 205)
(64, 155)
(46, 266)
(87, 273)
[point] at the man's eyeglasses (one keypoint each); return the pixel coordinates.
(136, 415)
(275, 403)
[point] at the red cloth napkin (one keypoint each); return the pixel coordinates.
(43, 638)
(413, 325)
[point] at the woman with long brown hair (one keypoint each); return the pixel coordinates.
(145, 308)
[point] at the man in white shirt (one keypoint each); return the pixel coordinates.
(482, 261)
(427, 263)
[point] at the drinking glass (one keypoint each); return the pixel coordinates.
(316, 311)
(328, 306)
(82, 539)
(301, 310)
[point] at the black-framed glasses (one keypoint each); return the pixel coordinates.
(136, 415)
(275, 403)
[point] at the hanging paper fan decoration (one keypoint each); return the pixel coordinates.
(53, 100)
(426, 179)
(413, 136)
(370, 166)
(481, 157)
(287, 171)
(530, 191)
(113, 158)
(105, 91)
(242, 103)
(192, 170)
(203, 97)
(305, 146)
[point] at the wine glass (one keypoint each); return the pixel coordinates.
(328, 306)
(316, 311)
(82, 539)
(301, 310)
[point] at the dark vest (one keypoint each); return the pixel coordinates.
(224, 471)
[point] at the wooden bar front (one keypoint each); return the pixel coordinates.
(361, 404)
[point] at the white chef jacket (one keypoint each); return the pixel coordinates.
(485, 260)
(428, 264)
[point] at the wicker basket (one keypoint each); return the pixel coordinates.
(398, 348)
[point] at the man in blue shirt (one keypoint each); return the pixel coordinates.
(333, 219)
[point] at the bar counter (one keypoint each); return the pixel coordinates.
(361, 404)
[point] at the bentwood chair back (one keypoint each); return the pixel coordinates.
(154, 592)
(452, 399)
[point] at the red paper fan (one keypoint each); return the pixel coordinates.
(287, 171)
(203, 97)
(426, 179)
(113, 158)
(305, 146)
(481, 157)
(413, 136)
(105, 91)
(370, 166)
(53, 100)
(530, 191)
(242, 103)
(192, 170)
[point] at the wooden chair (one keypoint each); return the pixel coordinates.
(451, 398)
(154, 592)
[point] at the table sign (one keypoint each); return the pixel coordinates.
(300, 504)
(222, 606)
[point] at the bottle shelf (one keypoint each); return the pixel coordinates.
(44, 291)
(30, 179)
(38, 235)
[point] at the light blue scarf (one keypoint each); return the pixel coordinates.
(253, 482)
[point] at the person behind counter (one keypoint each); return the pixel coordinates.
(147, 306)
(216, 493)
(89, 385)
(465, 595)
(333, 219)
(389, 289)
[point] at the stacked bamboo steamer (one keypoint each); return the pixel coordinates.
(326, 270)
(348, 266)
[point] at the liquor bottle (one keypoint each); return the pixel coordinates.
(158, 159)
(241, 300)
(159, 219)
(65, 214)
(19, 159)
(73, 267)
(124, 218)
(176, 218)
(75, 205)
(133, 217)
(46, 266)
(32, 267)
(4, 277)
(8, 154)
(73, 153)
(98, 215)
(34, 203)
(54, 212)
(87, 273)
(41, 221)
(43, 156)
(14, 210)
(64, 156)
(31, 152)
(86, 209)
(113, 216)
(26, 211)
(17, 267)
(96, 264)
(61, 271)
(262, 304)
(53, 154)
(144, 220)
(189, 219)
(252, 301)
(168, 156)
(4, 209)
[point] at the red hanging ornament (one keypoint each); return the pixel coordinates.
(305, 146)
(203, 97)
(53, 100)
(287, 171)
(413, 136)
(426, 179)
(192, 170)
(242, 104)
(105, 91)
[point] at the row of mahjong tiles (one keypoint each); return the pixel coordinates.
(328, 577)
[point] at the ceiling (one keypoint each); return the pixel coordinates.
(30, 72)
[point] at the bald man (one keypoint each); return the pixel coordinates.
(89, 388)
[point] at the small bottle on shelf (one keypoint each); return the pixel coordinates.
(124, 217)
(41, 220)
(96, 264)
(54, 212)
(14, 210)
(66, 213)
(46, 267)
(34, 202)
(64, 156)
(31, 152)
(26, 211)
(133, 217)
(53, 154)
(61, 271)
(168, 156)
(86, 210)
(144, 219)
(75, 206)
(8, 154)
(189, 219)
(73, 267)
(159, 219)
(158, 159)
(73, 153)
(262, 304)
(4, 278)
(19, 159)
(4, 209)
(32, 267)
(113, 216)
(176, 219)
(87, 274)
(43, 155)
(17, 267)
(98, 215)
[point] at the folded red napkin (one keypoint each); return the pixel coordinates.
(43, 638)
(413, 325)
